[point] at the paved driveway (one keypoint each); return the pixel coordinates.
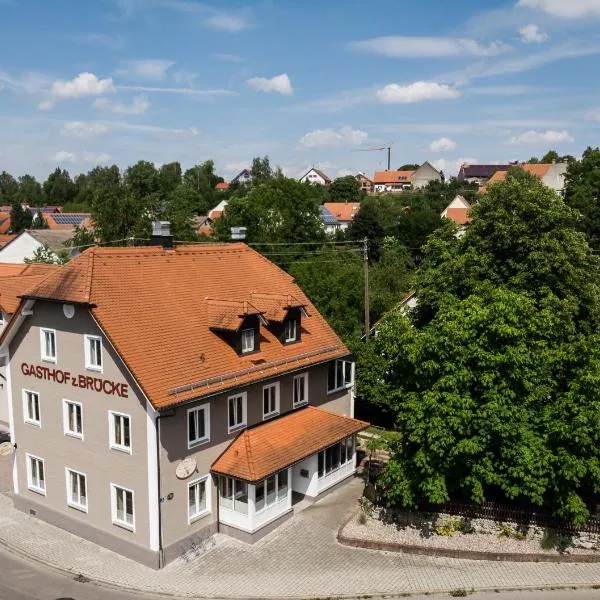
(300, 559)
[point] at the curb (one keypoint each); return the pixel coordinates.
(460, 554)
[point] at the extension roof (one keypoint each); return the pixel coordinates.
(343, 211)
(153, 304)
(263, 450)
(391, 177)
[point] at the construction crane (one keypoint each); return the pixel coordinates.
(379, 149)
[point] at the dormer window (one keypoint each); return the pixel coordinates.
(290, 331)
(247, 340)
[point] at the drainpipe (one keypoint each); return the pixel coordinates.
(164, 415)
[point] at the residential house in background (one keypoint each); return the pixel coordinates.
(398, 181)
(330, 223)
(316, 177)
(147, 439)
(25, 244)
(457, 211)
(479, 174)
(366, 184)
(244, 176)
(551, 174)
(344, 212)
(5, 238)
(223, 186)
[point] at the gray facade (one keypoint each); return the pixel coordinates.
(160, 498)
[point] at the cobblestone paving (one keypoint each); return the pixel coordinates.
(301, 559)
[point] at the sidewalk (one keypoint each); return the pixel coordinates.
(299, 560)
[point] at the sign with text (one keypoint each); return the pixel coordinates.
(96, 384)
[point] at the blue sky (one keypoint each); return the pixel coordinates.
(306, 82)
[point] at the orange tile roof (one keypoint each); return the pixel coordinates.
(263, 450)
(459, 215)
(539, 170)
(222, 186)
(343, 211)
(393, 176)
(4, 222)
(213, 215)
(275, 307)
(6, 237)
(228, 315)
(17, 279)
(177, 357)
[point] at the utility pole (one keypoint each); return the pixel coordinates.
(389, 149)
(366, 279)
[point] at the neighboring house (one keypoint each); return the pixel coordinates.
(479, 174)
(147, 436)
(244, 176)
(5, 238)
(223, 186)
(366, 184)
(551, 174)
(457, 211)
(344, 212)
(27, 242)
(316, 177)
(68, 221)
(330, 223)
(15, 280)
(5, 223)
(398, 181)
(406, 304)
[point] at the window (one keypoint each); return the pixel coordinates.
(198, 498)
(120, 431)
(122, 507)
(300, 389)
(271, 490)
(339, 376)
(335, 456)
(48, 344)
(73, 420)
(247, 340)
(237, 411)
(233, 494)
(36, 478)
(31, 408)
(290, 331)
(198, 425)
(76, 490)
(93, 352)
(270, 400)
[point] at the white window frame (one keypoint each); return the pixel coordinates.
(208, 495)
(244, 421)
(30, 484)
(248, 350)
(44, 356)
(273, 413)
(305, 401)
(113, 505)
(70, 502)
(66, 429)
(288, 324)
(348, 364)
(111, 432)
(26, 417)
(88, 339)
(206, 438)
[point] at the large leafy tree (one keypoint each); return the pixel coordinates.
(30, 191)
(20, 217)
(345, 189)
(494, 378)
(9, 188)
(59, 189)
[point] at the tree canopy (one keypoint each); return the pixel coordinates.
(345, 189)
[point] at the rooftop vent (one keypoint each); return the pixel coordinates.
(238, 233)
(161, 234)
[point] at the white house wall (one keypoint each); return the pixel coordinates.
(19, 249)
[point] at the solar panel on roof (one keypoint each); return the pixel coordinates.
(70, 219)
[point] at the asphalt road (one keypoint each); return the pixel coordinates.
(22, 580)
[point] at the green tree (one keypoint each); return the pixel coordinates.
(44, 255)
(59, 189)
(493, 378)
(551, 156)
(9, 188)
(38, 221)
(534, 160)
(345, 189)
(30, 191)
(169, 176)
(20, 218)
(261, 170)
(142, 179)
(409, 167)
(182, 204)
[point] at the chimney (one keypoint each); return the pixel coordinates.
(238, 234)
(161, 234)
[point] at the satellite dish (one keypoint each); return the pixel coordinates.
(69, 311)
(185, 468)
(6, 448)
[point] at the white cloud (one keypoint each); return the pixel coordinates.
(532, 34)
(280, 84)
(85, 84)
(234, 58)
(139, 105)
(442, 145)
(541, 137)
(593, 115)
(64, 156)
(322, 138)
(150, 69)
(427, 47)
(182, 76)
(177, 90)
(451, 167)
(83, 129)
(101, 39)
(416, 92)
(89, 157)
(46, 105)
(226, 22)
(568, 9)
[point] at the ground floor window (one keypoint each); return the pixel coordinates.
(335, 456)
(36, 478)
(233, 494)
(271, 490)
(198, 498)
(122, 507)
(76, 490)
